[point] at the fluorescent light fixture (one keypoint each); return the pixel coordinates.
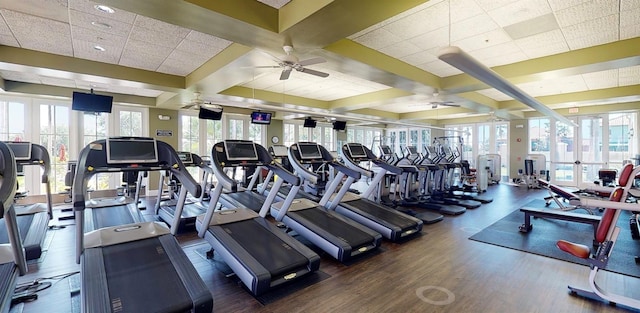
(459, 59)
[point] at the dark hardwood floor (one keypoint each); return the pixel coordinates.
(439, 271)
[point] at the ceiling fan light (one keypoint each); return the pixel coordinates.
(459, 59)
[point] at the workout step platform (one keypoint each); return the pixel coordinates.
(594, 220)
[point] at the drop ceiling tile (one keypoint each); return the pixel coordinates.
(592, 40)
(601, 79)
(199, 48)
(630, 17)
(627, 5)
(499, 50)
(160, 38)
(419, 58)
(7, 40)
(557, 5)
(591, 27)
(516, 56)
(84, 20)
(629, 76)
(141, 60)
(162, 27)
(400, 16)
(437, 38)
(101, 38)
(134, 47)
(187, 55)
(631, 31)
(38, 33)
(420, 22)
(520, 11)
(439, 68)
(483, 41)
(489, 5)
(543, 44)
(555, 86)
(4, 29)
(89, 7)
(85, 50)
(207, 39)
(586, 11)
(464, 9)
(134, 91)
(400, 49)
(476, 25)
(180, 67)
(56, 10)
(378, 39)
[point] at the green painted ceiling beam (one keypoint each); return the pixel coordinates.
(614, 55)
(29, 61)
(226, 56)
(55, 91)
(274, 98)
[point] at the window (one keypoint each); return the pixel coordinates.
(289, 134)
(54, 136)
(255, 133)
(12, 128)
(130, 123)
(236, 128)
(213, 135)
(190, 133)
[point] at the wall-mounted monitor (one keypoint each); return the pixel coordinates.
(309, 151)
(261, 118)
(340, 125)
(21, 150)
(356, 150)
(185, 157)
(206, 114)
(132, 151)
(240, 150)
(91, 102)
(309, 122)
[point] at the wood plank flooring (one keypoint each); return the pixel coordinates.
(439, 271)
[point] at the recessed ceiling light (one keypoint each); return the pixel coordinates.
(99, 48)
(100, 24)
(104, 8)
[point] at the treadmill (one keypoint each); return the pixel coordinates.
(281, 153)
(259, 253)
(244, 197)
(340, 237)
(192, 207)
(12, 258)
(33, 219)
(136, 267)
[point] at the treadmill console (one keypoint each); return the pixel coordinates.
(356, 151)
(131, 150)
(186, 158)
(240, 151)
(21, 150)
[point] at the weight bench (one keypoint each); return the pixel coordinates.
(555, 191)
(594, 220)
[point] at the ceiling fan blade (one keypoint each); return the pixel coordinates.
(312, 61)
(314, 72)
(449, 103)
(188, 106)
(266, 66)
(285, 74)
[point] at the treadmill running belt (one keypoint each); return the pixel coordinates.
(24, 223)
(335, 226)
(269, 250)
(112, 216)
(382, 213)
(249, 199)
(189, 210)
(152, 286)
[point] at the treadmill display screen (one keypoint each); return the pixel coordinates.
(356, 150)
(386, 150)
(240, 151)
(279, 151)
(139, 150)
(412, 150)
(185, 157)
(309, 151)
(21, 150)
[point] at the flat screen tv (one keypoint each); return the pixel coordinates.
(185, 157)
(91, 102)
(261, 118)
(309, 122)
(21, 150)
(309, 151)
(356, 150)
(339, 125)
(132, 151)
(240, 150)
(209, 114)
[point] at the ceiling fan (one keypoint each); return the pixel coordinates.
(196, 103)
(290, 62)
(438, 101)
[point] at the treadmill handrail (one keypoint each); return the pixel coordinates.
(327, 159)
(9, 174)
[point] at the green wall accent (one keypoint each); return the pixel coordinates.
(156, 124)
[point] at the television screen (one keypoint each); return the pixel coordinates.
(356, 150)
(309, 122)
(261, 118)
(339, 125)
(279, 150)
(209, 114)
(309, 151)
(91, 102)
(21, 150)
(240, 150)
(139, 150)
(185, 157)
